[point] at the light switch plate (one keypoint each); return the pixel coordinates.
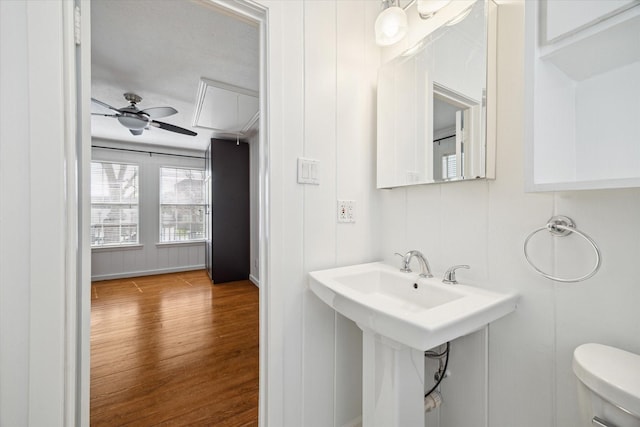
(346, 211)
(308, 171)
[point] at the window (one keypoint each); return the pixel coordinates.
(114, 204)
(181, 204)
(449, 166)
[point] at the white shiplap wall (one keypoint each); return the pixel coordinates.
(15, 213)
(528, 379)
(32, 306)
(484, 224)
(340, 62)
(322, 103)
(516, 373)
(34, 233)
(150, 257)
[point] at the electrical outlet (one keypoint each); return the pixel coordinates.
(346, 211)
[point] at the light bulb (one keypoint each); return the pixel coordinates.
(391, 26)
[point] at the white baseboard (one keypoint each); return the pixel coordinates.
(98, 277)
(254, 280)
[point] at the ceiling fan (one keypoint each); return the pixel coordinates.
(137, 120)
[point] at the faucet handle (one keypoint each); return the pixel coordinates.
(450, 275)
(405, 266)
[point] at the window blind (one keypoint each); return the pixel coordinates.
(449, 166)
(114, 204)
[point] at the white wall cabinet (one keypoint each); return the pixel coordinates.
(582, 94)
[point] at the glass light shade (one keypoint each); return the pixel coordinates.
(391, 26)
(428, 8)
(132, 122)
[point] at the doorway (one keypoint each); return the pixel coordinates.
(245, 11)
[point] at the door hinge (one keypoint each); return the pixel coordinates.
(76, 25)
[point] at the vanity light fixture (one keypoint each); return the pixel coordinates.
(391, 24)
(428, 8)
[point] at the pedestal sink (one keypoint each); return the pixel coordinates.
(402, 315)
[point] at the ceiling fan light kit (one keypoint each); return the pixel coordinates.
(133, 121)
(137, 120)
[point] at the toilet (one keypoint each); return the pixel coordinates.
(608, 386)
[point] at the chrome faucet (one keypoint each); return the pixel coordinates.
(450, 275)
(425, 270)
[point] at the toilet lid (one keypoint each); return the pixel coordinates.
(612, 373)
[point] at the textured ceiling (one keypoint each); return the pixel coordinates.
(159, 49)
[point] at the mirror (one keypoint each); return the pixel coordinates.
(432, 109)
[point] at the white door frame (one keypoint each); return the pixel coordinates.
(78, 158)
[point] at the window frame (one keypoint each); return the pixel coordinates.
(202, 207)
(129, 244)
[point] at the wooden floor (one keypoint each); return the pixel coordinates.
(174, 350)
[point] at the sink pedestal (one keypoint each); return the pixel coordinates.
(392, 382)
(420, 313)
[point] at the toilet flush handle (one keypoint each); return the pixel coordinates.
(602, 423)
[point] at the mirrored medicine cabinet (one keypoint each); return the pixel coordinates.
(436, 105)
(582, 92)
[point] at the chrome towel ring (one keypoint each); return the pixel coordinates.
(561, 226)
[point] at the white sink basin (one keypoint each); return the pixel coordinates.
(419, 313)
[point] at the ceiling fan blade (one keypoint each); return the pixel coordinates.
(105, 105)
(106, 115)
(172, 128)
(135, 131)
(157, 112)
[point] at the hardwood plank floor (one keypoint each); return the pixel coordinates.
(174, 350)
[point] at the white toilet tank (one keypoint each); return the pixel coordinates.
(608, 386)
